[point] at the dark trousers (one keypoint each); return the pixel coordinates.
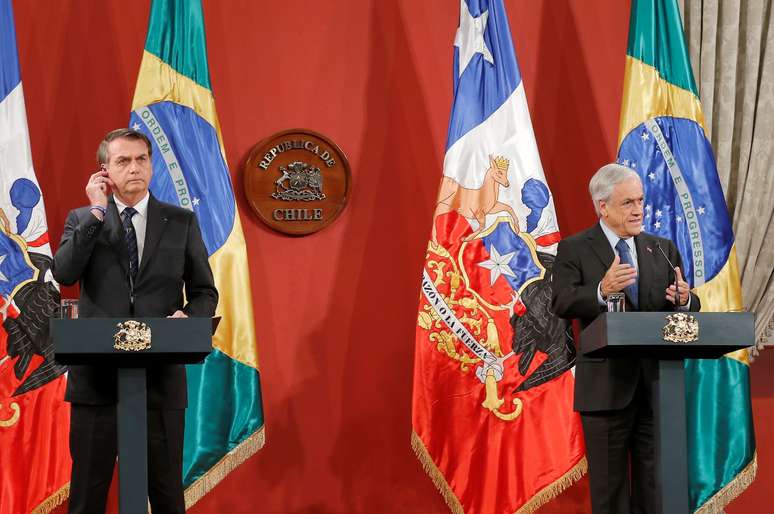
(620, 447)
(94, 446)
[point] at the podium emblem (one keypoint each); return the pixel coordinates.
(132, 336)
(681, 328)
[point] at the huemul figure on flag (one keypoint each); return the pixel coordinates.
(663, 137)
(35, 465)
(493, 423)
(132, 255)
(615, 396)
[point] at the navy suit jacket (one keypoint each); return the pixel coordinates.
(94, 254)
(581, 262)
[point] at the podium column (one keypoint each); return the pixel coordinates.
(132, 414)
(671, 438)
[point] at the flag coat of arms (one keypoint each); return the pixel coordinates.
(34, 419)
(174, 106)
(663, 137)
(493, 423)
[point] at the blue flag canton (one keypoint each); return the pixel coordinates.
(505, 241)
(9, 56)
(483, 87)
(188, 167)
(692, 213)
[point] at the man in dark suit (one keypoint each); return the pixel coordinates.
(132, 256)
(615, 396)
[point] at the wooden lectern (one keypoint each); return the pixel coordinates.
(641, 334)
(120, 343)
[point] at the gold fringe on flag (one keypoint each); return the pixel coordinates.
(545, 495)
(732, 489)
(553, 490)
(53, 501)
(226, 465)
(435, 474)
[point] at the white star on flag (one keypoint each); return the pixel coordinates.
(648, 208)
(2, 276)
(652, 176)
(658, 213)
(195, 201)
(657, 225)
(679, 219)
(700, 210)
(498, 264)
(136, 126)
(470, 37)
(645, 136)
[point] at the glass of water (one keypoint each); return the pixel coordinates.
(68, 308)
(616, 302)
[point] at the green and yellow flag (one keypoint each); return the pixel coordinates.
(663, 137)
(174, 106)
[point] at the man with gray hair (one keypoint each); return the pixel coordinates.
(615, 396)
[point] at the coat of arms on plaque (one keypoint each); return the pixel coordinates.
(299, 182)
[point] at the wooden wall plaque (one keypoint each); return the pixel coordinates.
(297, 181)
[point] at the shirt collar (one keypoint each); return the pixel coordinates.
(613, 238)
(141, 207)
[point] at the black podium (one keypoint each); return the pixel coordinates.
(641, 334)
(121, 343)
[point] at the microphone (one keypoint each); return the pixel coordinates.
(672, 267)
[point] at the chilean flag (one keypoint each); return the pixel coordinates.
(492, 419)
(34, 418)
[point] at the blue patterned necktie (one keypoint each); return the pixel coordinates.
(131, 241)
(626, 258)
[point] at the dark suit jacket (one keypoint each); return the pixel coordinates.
(581, 262)
(94, 253)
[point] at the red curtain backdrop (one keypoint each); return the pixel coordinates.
(335, 312)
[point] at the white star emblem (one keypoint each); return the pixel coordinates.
(658, 213)
(645, 136)
(136, 126)
(195, 201)
(700, 210)
(498, 264)
(679, 219)
(652, 176)
(657, 225)
(470, 37)
(648, 208)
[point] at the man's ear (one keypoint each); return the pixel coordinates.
(603, 208)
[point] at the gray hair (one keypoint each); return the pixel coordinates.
(605, 179)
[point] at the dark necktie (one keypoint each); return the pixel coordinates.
(626, 258)
(131, 241)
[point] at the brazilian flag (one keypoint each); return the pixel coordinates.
(663, 137)
(174, 106)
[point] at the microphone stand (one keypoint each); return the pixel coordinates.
(674, 271)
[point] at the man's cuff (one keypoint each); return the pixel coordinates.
(600, 300)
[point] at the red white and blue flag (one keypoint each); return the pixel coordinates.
(493, 422)
(34, 420)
